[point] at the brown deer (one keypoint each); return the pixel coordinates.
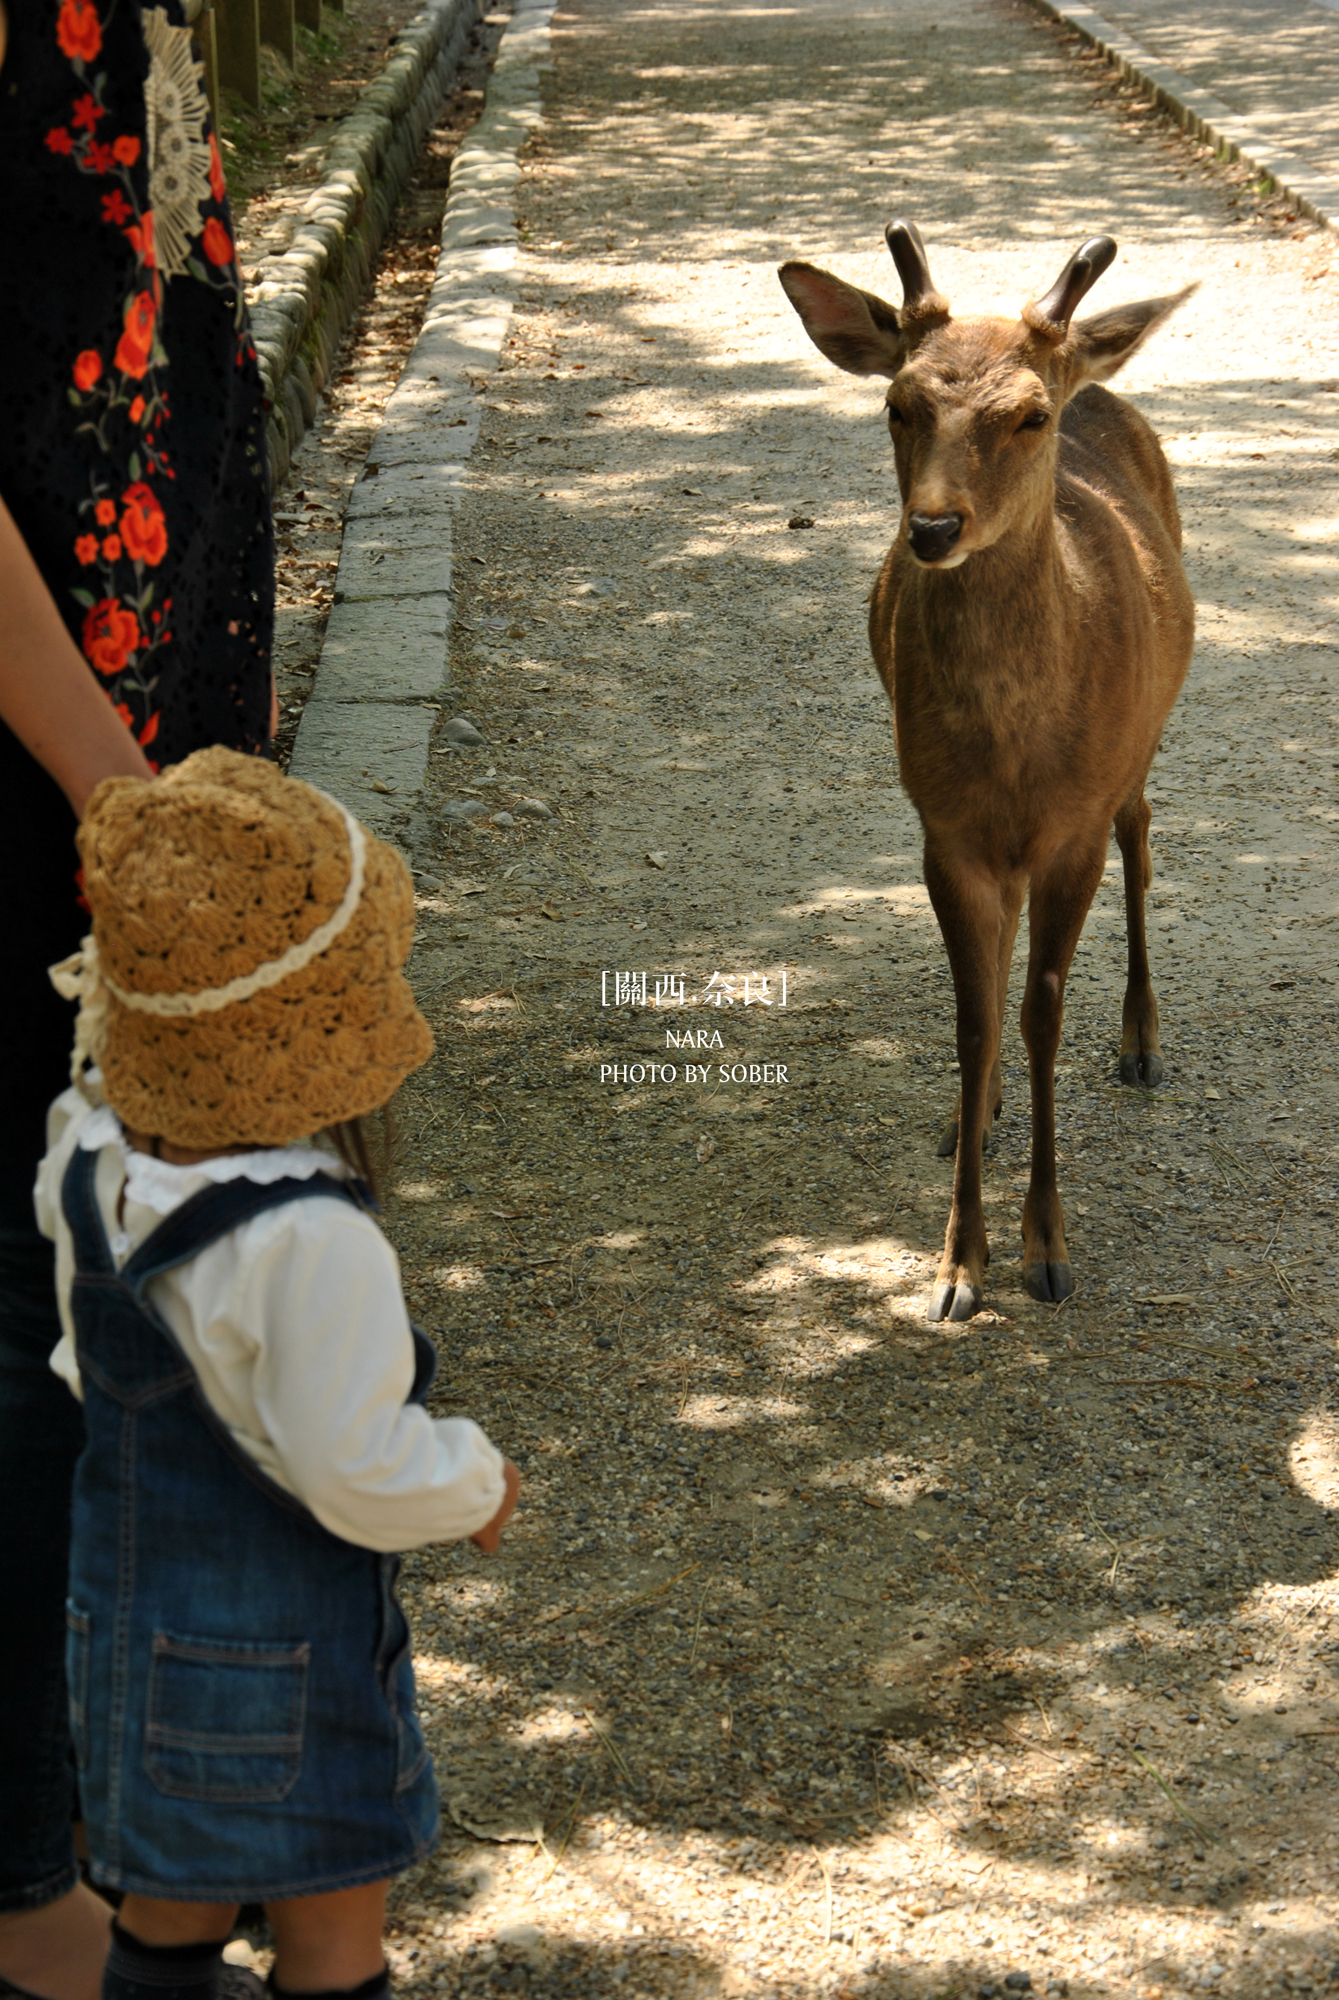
(1032, 625)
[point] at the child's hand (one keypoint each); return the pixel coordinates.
(488, 1538)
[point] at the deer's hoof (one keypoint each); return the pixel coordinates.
(948, 1140)
(956, 1301)
(1142, 1072)
(1048, 1282)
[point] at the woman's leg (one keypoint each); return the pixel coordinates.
(53, 1933)
(329, 1944)
(57, 1952)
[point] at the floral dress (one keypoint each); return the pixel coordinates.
(132, 445)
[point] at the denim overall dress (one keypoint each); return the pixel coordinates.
(241, 1686)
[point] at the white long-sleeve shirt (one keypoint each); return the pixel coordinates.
(295, 1325)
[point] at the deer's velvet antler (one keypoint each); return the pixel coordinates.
(920, 300)
(1050, 316)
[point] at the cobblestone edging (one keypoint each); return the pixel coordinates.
(365, 730)
(305, 298)
(1205, 117)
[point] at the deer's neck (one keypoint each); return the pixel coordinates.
(1001, 618)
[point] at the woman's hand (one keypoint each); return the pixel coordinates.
(48, 695)
(488, 1538)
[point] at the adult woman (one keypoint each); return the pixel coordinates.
(136, 582)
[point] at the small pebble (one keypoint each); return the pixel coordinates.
(521, 1937)
(534, 809)
(800, 521)
(1018, 1982)
(598, 586)
(504, 819)
(465, 808)
(458, 730)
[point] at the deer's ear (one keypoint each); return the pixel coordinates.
(854, 329)
(1105, 343)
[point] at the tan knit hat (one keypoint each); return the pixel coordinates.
(243, 983)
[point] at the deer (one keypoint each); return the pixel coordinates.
(1032, 625)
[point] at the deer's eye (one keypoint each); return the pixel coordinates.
(894, 414)
(1035, 420)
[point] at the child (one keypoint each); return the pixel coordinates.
(241, 1690)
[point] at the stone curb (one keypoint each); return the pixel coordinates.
(305, 298)
(365, 730)
(1205, 117)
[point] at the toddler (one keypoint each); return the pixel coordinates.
(240, 1681)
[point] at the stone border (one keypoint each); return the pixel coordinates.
(305, 298)
(1205, 117)
(365, 729)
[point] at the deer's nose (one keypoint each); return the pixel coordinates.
(933, 536)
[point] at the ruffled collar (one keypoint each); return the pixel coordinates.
(162, 1186)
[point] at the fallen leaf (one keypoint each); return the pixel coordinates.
(378, 786)
(658, 859)
(706, 1146)
(489, 1821)
(552, 912)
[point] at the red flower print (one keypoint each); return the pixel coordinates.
(111, 548)
(105, 513)
(78, 30)
(143, 527)
(86, 549)
(116, 209)
(111, 635)
(125, 150)
(218, 185)
(216, 242)
(86, 113)
(150, 730)
(99, 159)
(136, 343)
(123, 710)
(137, 409)
(87, 368)
(140, 237)
(60, 141)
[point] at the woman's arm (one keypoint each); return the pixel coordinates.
(48, 695)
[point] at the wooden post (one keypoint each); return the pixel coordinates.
(205, 43)
(276, 28)
(307, 13)
(237, 39)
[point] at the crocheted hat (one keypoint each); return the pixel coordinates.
(243, 983)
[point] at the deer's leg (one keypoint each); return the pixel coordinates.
(1140, 1062)
(1059, 904)
(948, 1138)
(968, 905)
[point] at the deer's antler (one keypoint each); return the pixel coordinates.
(1050, 316)
(921, 303)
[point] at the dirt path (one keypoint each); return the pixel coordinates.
(832, 1652)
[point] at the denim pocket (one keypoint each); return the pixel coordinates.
(225, 1718)
(78, 1646)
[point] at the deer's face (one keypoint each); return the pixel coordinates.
(973, 405)
(973, 425)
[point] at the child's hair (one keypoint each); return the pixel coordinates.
(369, 1156)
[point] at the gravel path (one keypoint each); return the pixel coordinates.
(1277, 61)
(831, 1652)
